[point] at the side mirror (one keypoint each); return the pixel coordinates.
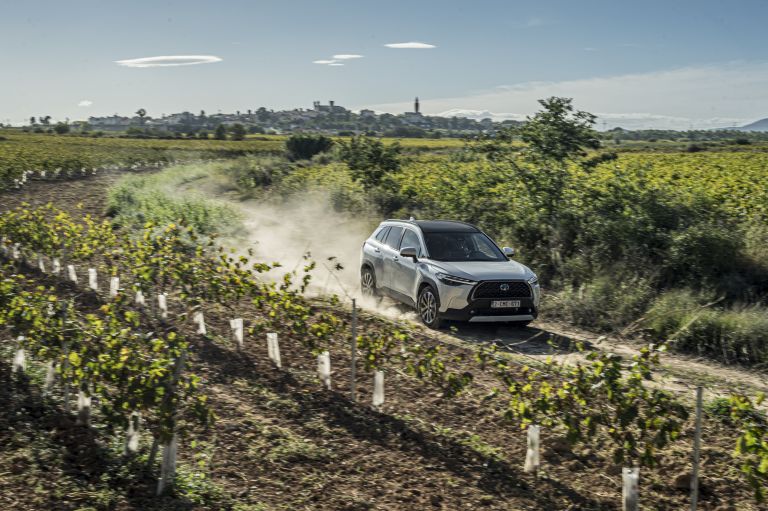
(409, 252)
(508, 251)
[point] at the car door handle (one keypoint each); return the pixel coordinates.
(378, 251)
(395, 258)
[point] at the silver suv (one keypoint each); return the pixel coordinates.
(448, 271)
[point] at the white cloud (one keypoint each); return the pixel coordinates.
(85, 102)
(703, 97)
(410, 46)
(336, 64)
(168, 61)
(329, 62)
(347, 56)
(589, 48)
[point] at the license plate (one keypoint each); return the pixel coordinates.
(505, 304)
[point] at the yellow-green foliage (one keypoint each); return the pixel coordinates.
(20, 153)
(170, 196)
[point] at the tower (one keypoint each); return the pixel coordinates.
(416, 105)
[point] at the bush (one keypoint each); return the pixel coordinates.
(253, 173)
(735, 335)
(304, 147)
(608, 302)
(370, 160)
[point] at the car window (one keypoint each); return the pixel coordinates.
(393, 238)
(382, 234)
(462, 246)
(411, 239)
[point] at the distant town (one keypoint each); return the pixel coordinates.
(330, 118)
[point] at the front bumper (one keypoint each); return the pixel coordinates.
(479, 311)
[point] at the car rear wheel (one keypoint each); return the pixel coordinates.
(428, 307)
(368, 282)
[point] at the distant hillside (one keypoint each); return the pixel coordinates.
(761, 125)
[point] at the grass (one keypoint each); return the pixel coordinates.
(171, 196)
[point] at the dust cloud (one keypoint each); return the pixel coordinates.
(308, 224)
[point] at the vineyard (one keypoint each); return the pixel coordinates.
(148, 367)
(126, 322)
(26, 156)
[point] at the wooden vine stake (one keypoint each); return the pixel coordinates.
(630, 486)
(353, 354)
(237, 331)
(378, 389)
(56, 266)
(273, 349)
(324, 368)
(40, 263)
(93, 279)
(532, 454)
(71, 273)
(168, 467)
(114, 286)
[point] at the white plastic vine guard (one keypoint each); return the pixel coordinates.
(532, 454)
(114, 286)
(273, 348)
(378, 389)
(630, 488)
(93, 279)
(162, 304)
(237, 330)
(324, 368)
(199, 319)
(71, 273)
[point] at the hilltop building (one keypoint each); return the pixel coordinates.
(330, 108)
(414, 117)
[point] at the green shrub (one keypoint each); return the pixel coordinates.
(735, 335)
(162, 198)
(304, 146)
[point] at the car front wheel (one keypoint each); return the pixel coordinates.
(368, 282)
(428, 307)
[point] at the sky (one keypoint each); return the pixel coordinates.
(675, 64)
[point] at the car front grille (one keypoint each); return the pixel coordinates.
(503, 289)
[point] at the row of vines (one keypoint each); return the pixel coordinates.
(25, 157)
(129, 354)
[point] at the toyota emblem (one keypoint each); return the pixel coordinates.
(504, 287)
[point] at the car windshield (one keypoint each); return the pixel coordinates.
(462, 246)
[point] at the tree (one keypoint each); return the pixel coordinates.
(238, 132)
(303, 146)
(61, 128)
(32, 120)
(141, 113)
(46, 120)
(370, 160)
(220, 133)
(558, 133)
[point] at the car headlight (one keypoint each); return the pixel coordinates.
(533, 280)
(453, 280)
